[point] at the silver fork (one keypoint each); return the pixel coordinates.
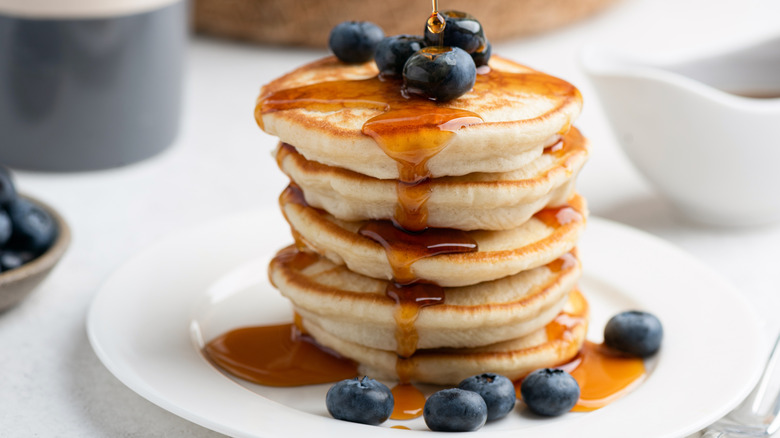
(752, 418)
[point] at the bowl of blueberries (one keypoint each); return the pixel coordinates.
(33, 238)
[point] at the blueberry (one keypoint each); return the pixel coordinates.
(482, 57)
(635, 333)
(355, 41)
(455, 410)
(7, 189)
(393, 51)
(14, 259)
(5, 227)
(33, 227)
(360, 401)
(497, 391)
(550, 392)
(461, 30)
(440, 73)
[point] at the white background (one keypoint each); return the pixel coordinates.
(52, 384)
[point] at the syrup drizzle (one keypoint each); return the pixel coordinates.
(277, 355)
(433, 130)
(411, 131)
(605, 376)
(403, 248)
(436, 22)
(409, 402)
(559, 216)
(602, 374)
(409, 300)
(410, 295)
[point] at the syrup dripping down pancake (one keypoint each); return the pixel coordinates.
(521, 111)
(548, 235)
(553, 345)
(476, 201)
(357, 309)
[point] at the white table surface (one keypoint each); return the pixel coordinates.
(51, 382)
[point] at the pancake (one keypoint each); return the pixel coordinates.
(522, 112)
(359, 309)
(488, 201)
(556, 344)
(545, 237)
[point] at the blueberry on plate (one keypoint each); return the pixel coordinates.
(360, 401)
(5, 227)
(34, 229)
(460, 30)
(355, 41)
(439, 73)
(550, 392)
(635, 333)
(393, 51)
(455, 410)
(7, 189)
(481, 57)
(497, 391)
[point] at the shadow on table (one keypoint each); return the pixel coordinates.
(114, 409)
(654, 214)
(649, 212)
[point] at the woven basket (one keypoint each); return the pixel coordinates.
(308, 22)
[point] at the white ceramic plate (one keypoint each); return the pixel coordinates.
(149, 320)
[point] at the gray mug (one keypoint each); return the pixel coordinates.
(84, 88)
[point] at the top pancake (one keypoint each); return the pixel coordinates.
(523, 111)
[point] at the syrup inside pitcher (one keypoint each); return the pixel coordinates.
(696, 127)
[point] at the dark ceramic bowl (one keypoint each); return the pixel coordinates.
(16, 284)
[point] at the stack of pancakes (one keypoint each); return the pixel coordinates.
(483, 277)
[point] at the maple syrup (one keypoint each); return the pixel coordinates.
(433, 127)
(555, 217)
(410, 295)
(295, 258)
(404, 248)
(409, 299)
(277, 355)
(602, 374)
(758, 94)
(563, 263)
(409, 402)
(436, 22)
(556, 148)
(433, 124)
(292, 194)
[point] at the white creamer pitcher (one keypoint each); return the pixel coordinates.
(705, 130)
